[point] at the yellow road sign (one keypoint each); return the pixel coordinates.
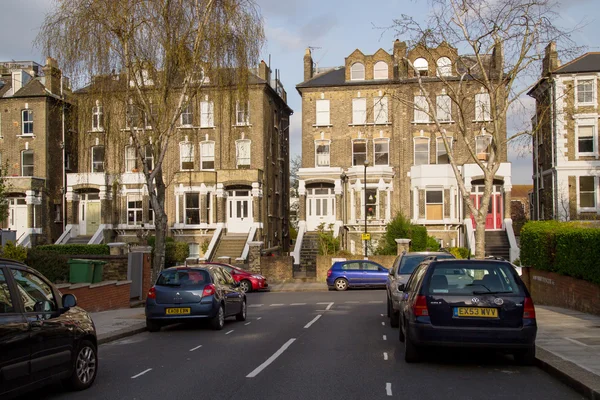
(366, 236)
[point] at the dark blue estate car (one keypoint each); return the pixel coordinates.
(356, 273)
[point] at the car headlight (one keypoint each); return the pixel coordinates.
(258, 277)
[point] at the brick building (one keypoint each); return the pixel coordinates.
(566, 165)
(35, 139)
(226, 169)
(365, 111)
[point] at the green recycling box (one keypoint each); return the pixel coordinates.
(85, 271)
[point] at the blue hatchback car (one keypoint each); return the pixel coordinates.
(356, 273)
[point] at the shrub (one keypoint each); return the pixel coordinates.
(76, 249)
(14, 252)
(459, 252)
(175, 252)
(432, 243)
(567, 248)
(419, 238)
(327, 243)
(401, 228)
(52, 265)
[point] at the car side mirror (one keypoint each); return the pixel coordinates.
(401, 287)
(69, 300)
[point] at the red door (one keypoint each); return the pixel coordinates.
(493, 219)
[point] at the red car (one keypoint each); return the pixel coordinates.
(248, 281)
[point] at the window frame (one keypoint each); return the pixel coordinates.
(487, 137)
(594, 191)
(28, 166)
(483, 114)
(186, 159)
(244, 112)
(427, 203)
(186, 208)
(439, 144)
(362, 163)
(95, 163)
(138, 209)
(238, 164)
(97, 118)
(27, 122)
(354, 71)
(207, 114)
(415, 152)
(380, 141)
(374, 203)
(186, 119)
(323, 117)
(594, 83)
(380, 70)
(593, 137)
(438, 107)
(207, 158)
(424, 67)
(149, 157)
(319, 143)
(51, 293)
(440, 68)
(129, 159)
(356, 118)
(133, 117)
(380, 107)
(417, 112)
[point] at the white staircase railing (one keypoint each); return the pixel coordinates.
(515, 251)
(470, 235)
(66, 235)
(212, 246)
(299, 238)
(250, 238)
(98, 237)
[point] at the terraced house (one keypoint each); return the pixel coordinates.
(227, 169)
(36, 144)
(371, 111)
(566, 164)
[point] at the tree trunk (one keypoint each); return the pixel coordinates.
(160, 226)
(480, 237)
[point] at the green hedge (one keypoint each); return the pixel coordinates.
(567, 248)
(175, 252)
(77, 249)
(52, 265)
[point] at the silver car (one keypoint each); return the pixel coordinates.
(403, 266)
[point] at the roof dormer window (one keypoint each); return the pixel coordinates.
(357, 72)
(421, 66)
(444, 67)
(380, 70)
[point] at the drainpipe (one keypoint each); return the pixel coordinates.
(552, 142)
(64, 156)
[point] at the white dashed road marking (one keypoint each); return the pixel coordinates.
(382, 323)
(385, 356)
(258, 318)
(329, 306)
(384, 337)
(196, 348)
(298, 304)
(388, 389)
(247, 323)
(256, 305)
(376, 301)
(229, 332)
(141, 373)
(276, 305)
(352, 302)
(271, 359)
(313, 321)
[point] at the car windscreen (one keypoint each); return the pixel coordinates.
(457, 278)
(410, 261)
(184, 278)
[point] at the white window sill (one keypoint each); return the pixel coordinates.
(322, 166)
(207, 170)
(591, 104)
(207, 127)
(577, 155)
(447, 122)
(482, 120)
(185, 127)
(420, 122)
(241, 125)
(587, 209)
(418, 165)
(97, 130)
(26, 135)
(322, 126)
(186, 170)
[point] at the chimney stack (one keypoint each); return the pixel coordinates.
(308, 65)
(401, 66)
(52, 75)
(551, 61)
(264, 72)
(498, 60)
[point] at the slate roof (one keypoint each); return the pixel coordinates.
(589, 62)
(32, 88)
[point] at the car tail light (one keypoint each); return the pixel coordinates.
(152, 293)
(420, 307)
(329, 273)
(209, 290)
(528, 309)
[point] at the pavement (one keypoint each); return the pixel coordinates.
(317, 345)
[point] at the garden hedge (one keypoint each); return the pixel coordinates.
(567, 248)
(52, 265)
(77, 249)
(175, 252)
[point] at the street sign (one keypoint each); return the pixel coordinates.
(366, 236)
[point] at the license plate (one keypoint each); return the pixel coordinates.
(475, 312)
(177, 311)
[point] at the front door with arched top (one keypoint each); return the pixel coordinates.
(493, 220)
(17, 215)
(239, 211)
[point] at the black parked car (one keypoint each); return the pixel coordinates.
(185, 294)
(44, 337)
(467, 303)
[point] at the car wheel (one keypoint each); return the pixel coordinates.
(241, 316)
(246, 286)
(411, 352)
(394, 318)
(152, 326)
(218, 321)
(85, 367)
(401, 337)
(526, 357)
(341, 284)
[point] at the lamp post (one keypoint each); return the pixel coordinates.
(365, 200)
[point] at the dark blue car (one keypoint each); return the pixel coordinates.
(356, 273)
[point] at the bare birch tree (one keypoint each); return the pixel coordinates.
(165, 51)
(504, 41)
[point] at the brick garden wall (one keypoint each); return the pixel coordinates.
(551, 289)
(108, 295)
(277, 268)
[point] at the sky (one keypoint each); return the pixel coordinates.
(335, 28)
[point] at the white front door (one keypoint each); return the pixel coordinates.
(320, 208)
(239, 211)
(17, 215)
(89, 214)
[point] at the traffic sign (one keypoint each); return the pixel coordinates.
(366, 236)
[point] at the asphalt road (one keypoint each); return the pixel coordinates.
(324, 345)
